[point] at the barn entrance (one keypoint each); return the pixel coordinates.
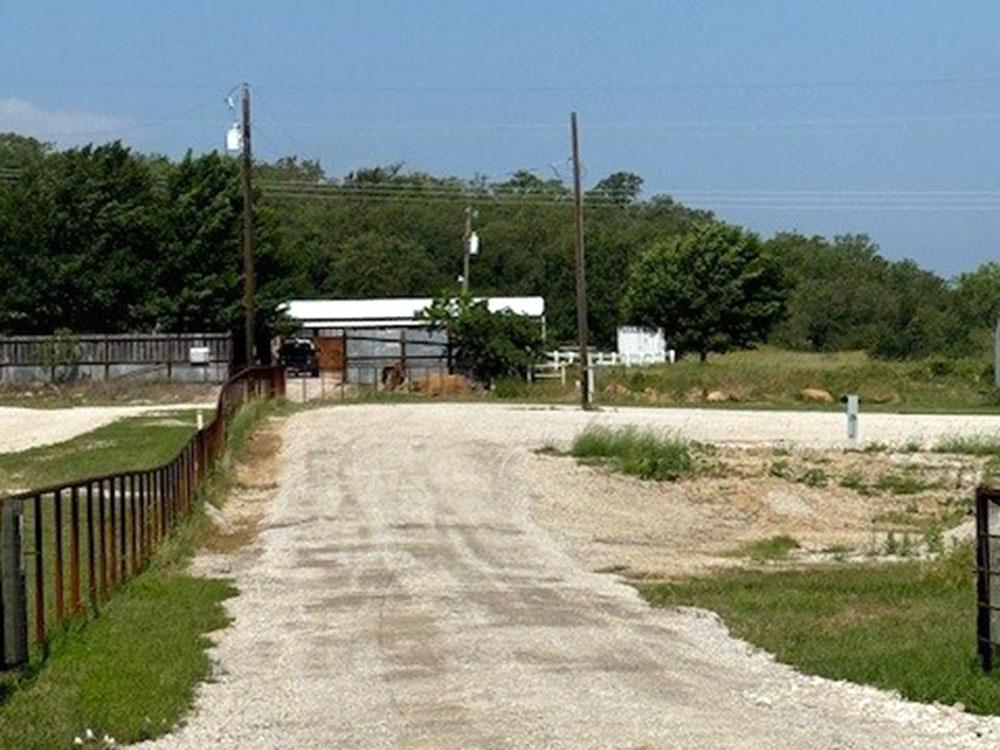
(331, 354)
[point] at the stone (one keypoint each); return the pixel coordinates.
(617, 389)
(442, 384)
(716, 397)
(816, 395)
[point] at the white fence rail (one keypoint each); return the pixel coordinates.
(559, 360)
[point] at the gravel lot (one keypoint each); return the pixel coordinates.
(22, 428)
(403, 592)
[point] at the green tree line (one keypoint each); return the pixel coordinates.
(103, 238)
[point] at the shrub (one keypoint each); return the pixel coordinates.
(642, 453)
(488, 345)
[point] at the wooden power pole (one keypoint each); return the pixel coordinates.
(249, 274)
(581, 271)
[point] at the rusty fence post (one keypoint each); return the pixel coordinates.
(122, 533)
(13, 594)
(39, 571)
(57, 539)
(91, 563)
(984, 612)
(133, 503)
(74, 549)
(103, 534)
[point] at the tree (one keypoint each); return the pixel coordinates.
(488, 345)
(847, 296)
(17, 151)
(620, 188)
(291, 169)
(979, 296)
(199, 282)
(381, 265)
(710, 291)
(81, 239)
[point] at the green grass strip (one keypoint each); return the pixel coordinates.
(908, 627)
(132, 443)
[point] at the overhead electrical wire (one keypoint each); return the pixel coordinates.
(476, 87)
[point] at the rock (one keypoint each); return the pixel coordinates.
(651, 394)
(438, 384)
(788, 505)
(816, 395)
(716, 397)
(695, 394)
(881, 397)
(617, 389)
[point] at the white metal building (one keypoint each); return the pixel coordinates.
(366, 335)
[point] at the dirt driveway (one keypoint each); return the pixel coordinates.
(403, 592)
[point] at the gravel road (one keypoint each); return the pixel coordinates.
(402, 593)
(22, 428)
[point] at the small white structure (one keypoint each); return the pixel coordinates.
(642, 346)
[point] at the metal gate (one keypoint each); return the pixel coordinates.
(988, 573)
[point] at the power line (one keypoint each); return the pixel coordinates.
(486, 88)
(516, 202)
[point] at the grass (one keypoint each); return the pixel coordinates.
(642, 453)
(975, 445)
(131, 670)
(903, 484)
(132, 443)
(131, 673)
(773, 548)
(769, 377)
(907, 626)
(970, 445)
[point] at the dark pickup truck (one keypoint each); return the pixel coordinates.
(299, 357)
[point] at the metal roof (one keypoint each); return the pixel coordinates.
(392, 311)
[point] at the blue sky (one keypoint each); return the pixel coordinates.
(825, 117)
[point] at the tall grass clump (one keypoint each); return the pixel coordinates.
(973, 445)
(642, 453)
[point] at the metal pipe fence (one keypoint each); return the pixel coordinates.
(987, 574)
(65, 548)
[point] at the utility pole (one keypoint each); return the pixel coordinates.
(249, 274)
(996, 355)
(581, 271)
(466, 239)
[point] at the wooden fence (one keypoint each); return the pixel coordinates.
(106, 356)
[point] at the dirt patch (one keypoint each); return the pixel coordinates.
(122, 392)
(236, 523)
(835, 504)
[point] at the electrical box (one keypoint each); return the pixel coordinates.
(200, 356)
(234, 138)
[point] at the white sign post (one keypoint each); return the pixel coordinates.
(853, 408)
